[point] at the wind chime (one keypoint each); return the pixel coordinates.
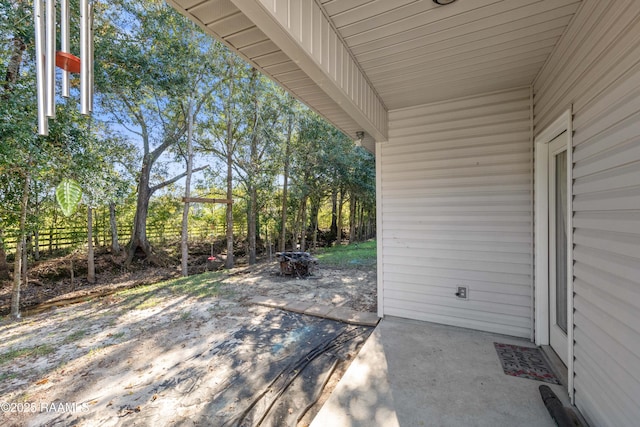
(47, 59)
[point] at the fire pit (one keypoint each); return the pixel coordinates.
(299, 263)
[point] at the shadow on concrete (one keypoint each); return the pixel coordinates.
(412, 373)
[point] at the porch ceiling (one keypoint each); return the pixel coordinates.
(416, 52)
(410, 52)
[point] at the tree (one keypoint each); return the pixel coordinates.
(360, 184)
(290, 114)
(23, 155)
(256, 154)
(184, 242)
(226, 130)
(151, 57)
(17, 16)
(197, 97)
(93, 165)
(310, 167)
(13, 47)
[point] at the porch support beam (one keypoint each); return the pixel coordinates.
(303, 32)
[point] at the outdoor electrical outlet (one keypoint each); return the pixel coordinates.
(463, 292)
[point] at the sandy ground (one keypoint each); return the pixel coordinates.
(162, 358)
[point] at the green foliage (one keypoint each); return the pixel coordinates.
(153, 68)
(349, 256)
(68, 195)
(165, 211)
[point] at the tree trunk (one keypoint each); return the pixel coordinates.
(229, 262)
(15, 61)
(253, 170)
(25, 260)
(20, 246)
(36, 232)
(115, 245)
(296, 228)
(333, 231)
(315, 211)
(184, 244)
(29, 244)
(36, 245)
(360, 228)
(252, 217)
(91, 266)
(352, 219)
(96, 235)
(139, 239)
(303, 225)
(285, 184)
(4, 267)
(71, 273)
(340, 218)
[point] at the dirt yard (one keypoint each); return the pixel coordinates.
(189, 351)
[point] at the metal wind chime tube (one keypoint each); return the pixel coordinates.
(47, 59)
(38, 15)
(50, 58)
(90, 57)
(84, 57)
(64, 42)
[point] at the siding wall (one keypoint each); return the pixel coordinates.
(596, 67)
(456, 188)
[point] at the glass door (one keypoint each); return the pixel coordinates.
(558, 246)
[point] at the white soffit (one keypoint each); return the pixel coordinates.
(412, 52)
(228, 24)
(416, 52)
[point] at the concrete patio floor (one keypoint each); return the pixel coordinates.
(412, 373)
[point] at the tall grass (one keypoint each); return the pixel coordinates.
(350, 256)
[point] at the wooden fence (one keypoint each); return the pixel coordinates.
(52, 239)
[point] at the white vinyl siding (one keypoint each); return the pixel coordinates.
(456, 188)
(596, 67)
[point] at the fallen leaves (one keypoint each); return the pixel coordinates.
(126, 410)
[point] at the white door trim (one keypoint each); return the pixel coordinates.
(541, 329)
(379, 225)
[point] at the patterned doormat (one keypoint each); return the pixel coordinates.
(525, 362)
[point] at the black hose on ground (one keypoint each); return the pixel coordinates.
(564, 417)
(277, 387)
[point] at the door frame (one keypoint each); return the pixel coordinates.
(541, 221)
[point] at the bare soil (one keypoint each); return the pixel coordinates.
(57, 279)
(154, 358)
